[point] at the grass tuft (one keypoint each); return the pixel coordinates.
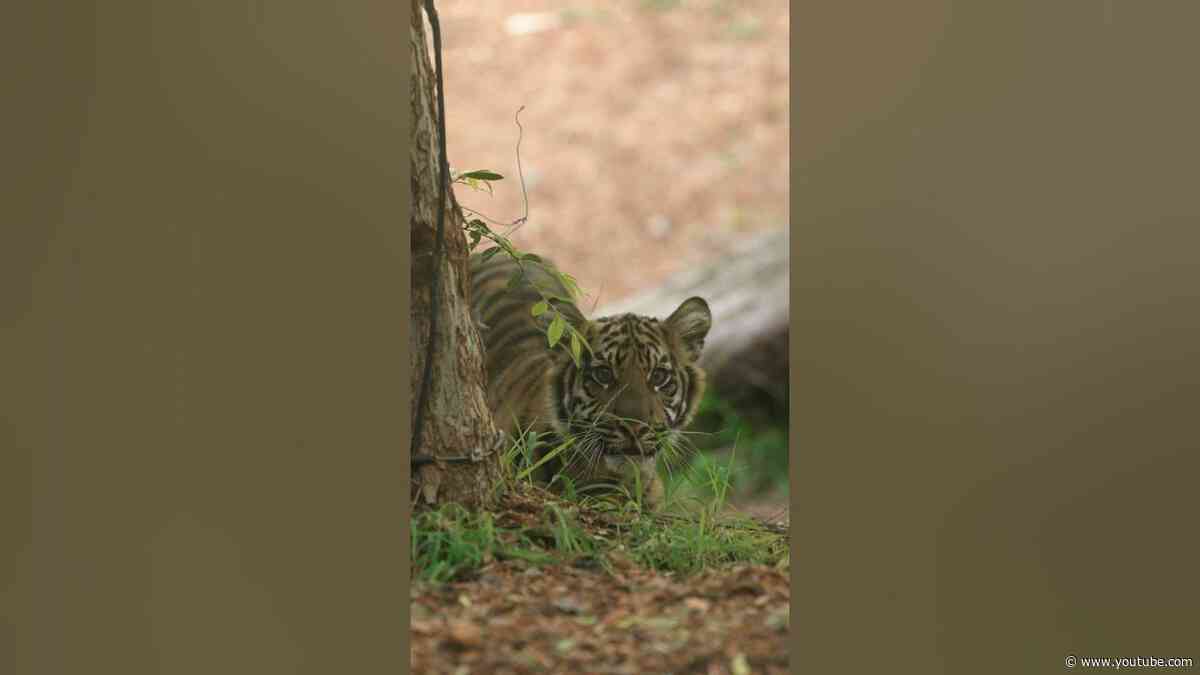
(578, 527)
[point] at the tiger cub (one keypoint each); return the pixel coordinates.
(624, 406)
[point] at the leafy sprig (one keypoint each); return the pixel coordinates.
(557, 326)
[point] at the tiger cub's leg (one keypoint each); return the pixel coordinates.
(652, 491)
(644, 475)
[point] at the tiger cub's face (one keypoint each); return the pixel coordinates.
(637, 388)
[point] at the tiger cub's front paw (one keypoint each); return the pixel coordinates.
(652, 494)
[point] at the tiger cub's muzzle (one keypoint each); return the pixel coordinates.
(628, 438)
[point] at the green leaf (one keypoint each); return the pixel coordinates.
(556, 329)
(583, 340)
(481, 174)
(487, 255)
(479, 186)
(576, 347)
(571, 284)
(540, 308)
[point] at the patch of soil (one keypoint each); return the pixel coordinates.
(514, 617)
(656, 131)
(519, 619)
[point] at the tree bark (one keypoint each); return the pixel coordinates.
(456, 421)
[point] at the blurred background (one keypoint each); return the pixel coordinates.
(655, 145)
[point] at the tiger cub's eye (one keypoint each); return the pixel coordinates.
(603, 375)
(659, 377)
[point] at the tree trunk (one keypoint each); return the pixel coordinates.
(456, 420)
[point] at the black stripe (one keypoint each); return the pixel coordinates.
(507, 323)
(528, 376)
(563, 384)
(514, 338)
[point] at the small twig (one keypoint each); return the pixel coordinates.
(514, 225)
(422, 460)
(596, 298)
(476, 455)
(521, 172)
(485, 216)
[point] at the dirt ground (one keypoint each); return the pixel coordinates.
(562, 619)
(515, 617)
(655, 131)
(655, 137)
(579, 617)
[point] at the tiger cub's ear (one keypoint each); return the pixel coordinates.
(690, 324)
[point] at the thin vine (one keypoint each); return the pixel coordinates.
(439, 244)
(477, 230)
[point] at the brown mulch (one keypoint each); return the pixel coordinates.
(514, 617)
(518, 619)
